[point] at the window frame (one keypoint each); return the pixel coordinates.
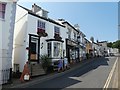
(56, 30)
(57, 51)
(41, 25)
(2, 10)
(49, 49)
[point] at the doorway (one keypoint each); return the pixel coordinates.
(34, 48)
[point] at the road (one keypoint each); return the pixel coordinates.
(92, 75)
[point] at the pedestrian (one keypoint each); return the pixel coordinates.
(60, 65)
(65, 63)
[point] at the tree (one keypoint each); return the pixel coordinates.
(110, 44)
(116, 44)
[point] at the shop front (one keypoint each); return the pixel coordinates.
(72, 51)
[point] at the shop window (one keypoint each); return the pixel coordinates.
(2, 10)
(56, 49)
(49, 49)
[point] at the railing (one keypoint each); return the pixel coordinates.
(4, 76)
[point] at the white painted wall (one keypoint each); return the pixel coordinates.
(27, 24)
(19, 45)
(6, 37)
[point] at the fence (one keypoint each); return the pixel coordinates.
(4, 76)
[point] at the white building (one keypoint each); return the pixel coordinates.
(28, 45)
(75, 42)
(72, 49)
(7, 19)
(104, 48)
(83, 45)
(96, 49)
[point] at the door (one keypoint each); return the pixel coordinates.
(34, 48)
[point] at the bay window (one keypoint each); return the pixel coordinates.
(49, 46)
(56, 49)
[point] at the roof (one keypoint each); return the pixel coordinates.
(70, 25)
(102, 42)
(87, 40)
(96, 43)
(47, 19)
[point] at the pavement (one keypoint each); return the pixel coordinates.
(17, 84)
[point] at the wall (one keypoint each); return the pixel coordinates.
(6, 38)
(19, 45)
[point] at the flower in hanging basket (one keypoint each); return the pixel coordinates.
(40, 31)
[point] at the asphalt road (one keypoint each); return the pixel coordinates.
(92, 75)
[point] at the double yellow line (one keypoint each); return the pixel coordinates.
(110, 75)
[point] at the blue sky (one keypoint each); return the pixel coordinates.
(97, 19)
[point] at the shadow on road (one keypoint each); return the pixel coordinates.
(93, 65)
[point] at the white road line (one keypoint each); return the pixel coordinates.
(110, 76)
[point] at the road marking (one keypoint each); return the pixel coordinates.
(110, 76)
(115, 79)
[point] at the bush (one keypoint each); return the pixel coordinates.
(46, 61)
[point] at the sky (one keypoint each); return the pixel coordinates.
(97, 19)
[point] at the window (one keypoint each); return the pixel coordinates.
(2, 10)
(33, 47)
(49, 49)
(69, 34)
(74, 36)
(41, 25)
(56, 49)
(56, 30)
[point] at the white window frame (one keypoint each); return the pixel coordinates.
(56, 32)
(41, 24)
(57, 53)
(49, 49)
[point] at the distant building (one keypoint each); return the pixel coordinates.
(104, 48)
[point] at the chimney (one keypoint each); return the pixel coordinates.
(39, 11)
(76, 26)
(61, 19)
(35, 8)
